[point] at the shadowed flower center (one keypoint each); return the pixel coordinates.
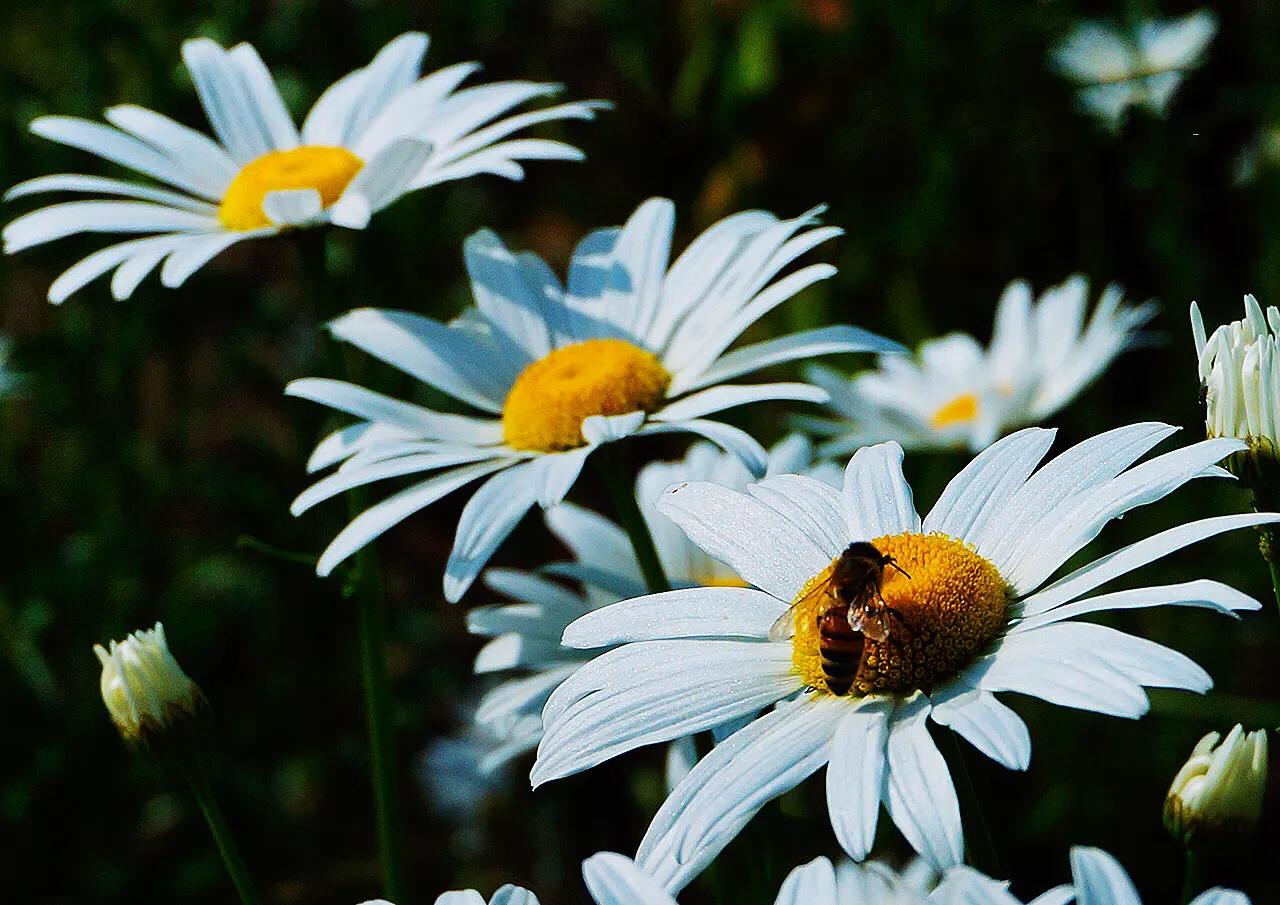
(328, 170)
(936, 621)
(550, 398)
(958, 411)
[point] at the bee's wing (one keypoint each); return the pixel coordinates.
(872, 624)
(785, 626)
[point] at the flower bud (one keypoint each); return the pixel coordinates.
(146, 692)
(1239, 367)
(1216, 798)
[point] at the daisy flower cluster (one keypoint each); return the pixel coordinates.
(768, 614)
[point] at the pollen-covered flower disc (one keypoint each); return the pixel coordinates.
(955, 394)
(630, 344)
(372, 137)
(964, 611)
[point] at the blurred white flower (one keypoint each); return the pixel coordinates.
(968, 616)
(614, 879)
(1098, 879)
(526, 634)
(632, 345)
(1118, 68)
(956, 394)
(1216, 798)
(372, 137)
(146, 692)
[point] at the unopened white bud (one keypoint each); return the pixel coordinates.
(145, 690)
(1216, 798)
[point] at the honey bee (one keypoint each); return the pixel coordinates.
(855, 611)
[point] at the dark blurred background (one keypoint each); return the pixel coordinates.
(147, 468)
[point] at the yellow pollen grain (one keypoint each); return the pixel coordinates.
(551, 397)
(951, 607)
(328, 170)
(958, 411)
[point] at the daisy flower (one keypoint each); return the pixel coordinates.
(1098, 879)
(966, 614)
(1119, 68)
(956, 395)
(628, 346)
(526, 633)
(614, 879)
(373, 136)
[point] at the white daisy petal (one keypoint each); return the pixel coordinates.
(806, 344)
(1100, 880)
(514, 651)
(1077, 678)
(513, 895)
(810, 884)
(381, 181)
(489, 516)
(1077, 470)
(532, 588)
(292, 207)
(981, 489)
(392, 70)
(594, 540)
(856, 773)
(757, 542)
(371, 406)
(919, 793)
(877, 498)
(206, 159)
(521, 695)
(118, 147)
(1081, 521)
(76, 182)
(681, 694)
(724, 790)
(726, 396)
(74, 217)
(264, 98)
(509, 300)
(378, 518)
(347, 441)
(1059, 895)
(1210, 595)
(458, 897)
(1219, 896)
(191, 256)
(613, 879)
(985, 723)
(226, 99)
(735, 441)
(813, 505)
(453, 361)
(684, 613)
(95, 265)
(599, 429)
(359, 476)
(132, 272)
(1136, 555)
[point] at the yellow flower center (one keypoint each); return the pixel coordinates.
(327, 170)
(551, 397)
(950, 608)
(958, 411)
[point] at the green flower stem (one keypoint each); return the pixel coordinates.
(198, 781)
(1194, 880)
(367, 591)
(619, 482)
(364, 584)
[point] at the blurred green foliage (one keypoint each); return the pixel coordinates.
(146, 471)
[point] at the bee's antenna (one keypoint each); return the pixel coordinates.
(893, 562)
